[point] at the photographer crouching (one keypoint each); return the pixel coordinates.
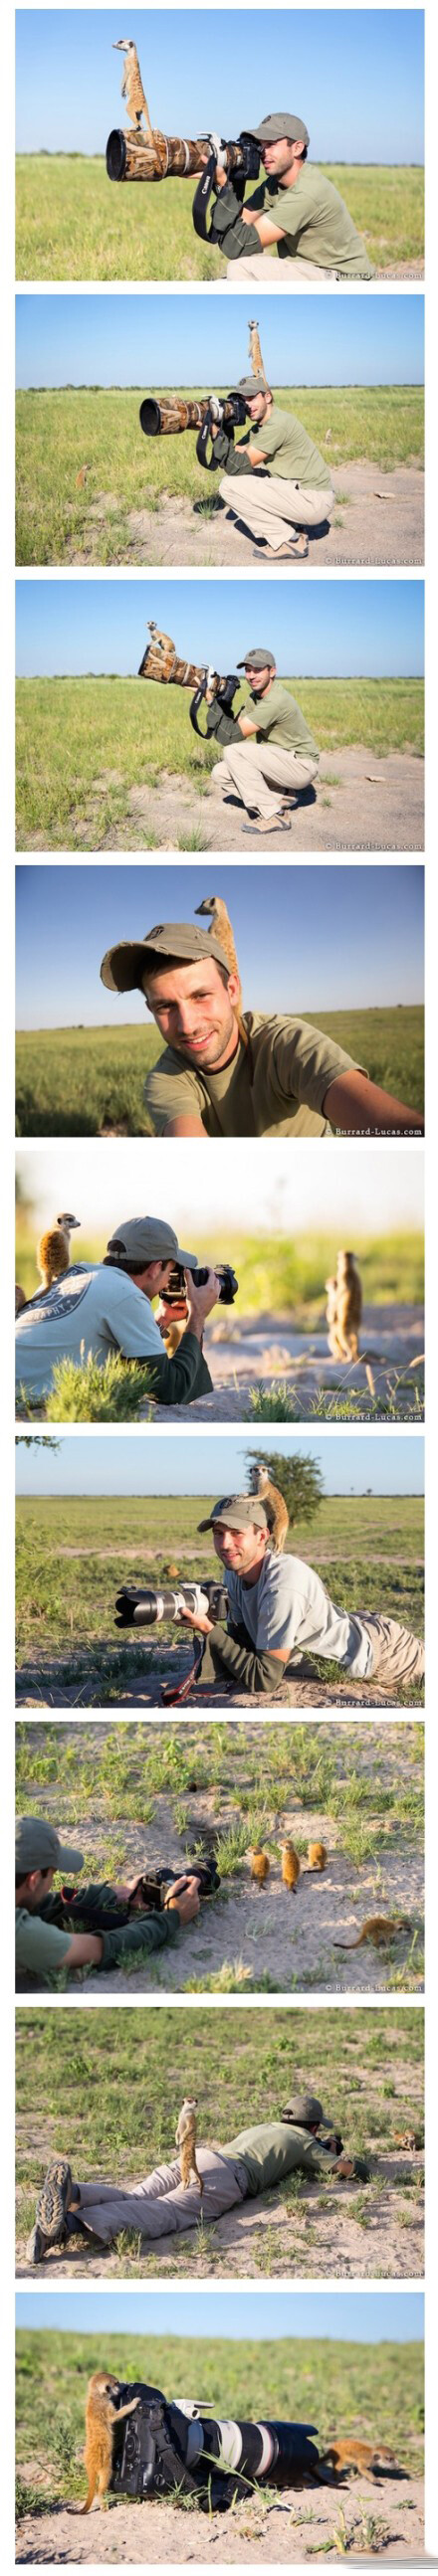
(104, 1307)
(276, 482)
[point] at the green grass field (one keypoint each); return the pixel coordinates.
(82, 744)
(72, 1557)
(59, 432)
(88, 1082)
(363, 2387)
(71, 223)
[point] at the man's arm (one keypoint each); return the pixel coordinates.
(356, 1104)
(243, 1664)
(184, 1127)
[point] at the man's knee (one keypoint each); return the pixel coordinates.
(218, 770)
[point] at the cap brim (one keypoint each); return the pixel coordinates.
(123, 967)
(189, 1260)
(68, 1858)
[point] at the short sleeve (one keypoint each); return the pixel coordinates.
(132, 1324)
(40, 1945)
(304, 1063)
(170, 1093)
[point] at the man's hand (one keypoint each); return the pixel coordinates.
(360, 1107)
(192, 1619)
(200, 1301)
(186, 1903)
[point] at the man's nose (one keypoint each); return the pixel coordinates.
(187, 1017)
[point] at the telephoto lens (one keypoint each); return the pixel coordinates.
(148, 1608)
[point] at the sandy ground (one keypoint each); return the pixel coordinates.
(270, 1934)
(241, 1356)
(302, 1691)
(374, 804)
(381, 2517)
(379, 519)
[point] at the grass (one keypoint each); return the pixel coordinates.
(90, 1081)
(366, 2388)
(368, 1551)
(72, 224)
(80, 2088)
(60, 430)
(84, 744)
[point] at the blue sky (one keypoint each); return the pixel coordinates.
(337, 628)
(171, 1464)
(348, 2316)
(150, 340)
(311, 938)
(362, 99)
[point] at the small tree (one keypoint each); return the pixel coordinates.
(299, 1480)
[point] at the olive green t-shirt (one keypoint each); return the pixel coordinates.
(275, 2148)
(315, 223)
(39, 1945)
(280, 718)
(275, 1086)
(289, 450)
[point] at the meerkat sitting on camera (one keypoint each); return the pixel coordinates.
(101, 2417)
(185, 2138)
(132, 85)
(276, 1508)
(53, 1249)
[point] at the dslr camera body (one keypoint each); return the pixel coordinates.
(176, 1290)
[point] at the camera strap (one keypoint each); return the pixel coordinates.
(202, 198)
(194, 709)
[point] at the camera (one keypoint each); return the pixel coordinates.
(243, 156)
(177, 1290)
(167, 419)
(147, 1608)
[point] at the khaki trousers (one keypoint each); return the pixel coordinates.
(398, 1656)
(160, 2206)
(271, 507)
(254, 768)
(272, 272)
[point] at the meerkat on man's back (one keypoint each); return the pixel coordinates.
(185, 2137)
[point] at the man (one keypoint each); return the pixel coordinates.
(277, 752)
(278, 1609)
(49, 1934)
(276, 483)
(227, 1074)
(101, 1307)
(255, 2161)
(296, 211)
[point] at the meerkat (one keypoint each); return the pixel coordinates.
(379, 1929)
(163, 643)
(358, 2455)
(276, 1508)
(221, 928)
(317, 1856)
(53, 1249)
(412, 2139)
(290, 1867)
(260, 1866)
(172, 1572)
(101, 2416)
(331, 1316)
(132, 85)
(349, 1305)
(258, 367)
(185, 2138)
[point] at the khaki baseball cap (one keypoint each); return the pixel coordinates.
(147, 1238)
(306, 2111)
(124, 966)
(249, 385)
(259, 660)
(273, 128)
(37, 1846)
(239, 1511)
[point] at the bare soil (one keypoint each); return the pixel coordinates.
(284, 2532)
(379, 519)
(241, 1356)
(374, 804)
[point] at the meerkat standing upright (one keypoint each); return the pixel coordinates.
(132, 85)
(101, 2417)
(185, 2137)
(258, 368)
(53, 1249)
(220, 926)
(276, 1508)
(344, 1308)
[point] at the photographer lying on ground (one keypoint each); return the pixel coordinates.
(276, 482)
(296, 211)
(55, 1931)
(104, 1306)
(224, 1073)
(253, 2162)
(280, 1609)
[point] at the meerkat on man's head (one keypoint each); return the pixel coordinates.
(185, 2139)
(101, 2417)
(258, 367)
(276, 1508)
(53, 1249)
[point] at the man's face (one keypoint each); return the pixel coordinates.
(37, 1885)
(258, 681)
(239, 1549)
(194, 1010)
(154, 1280)
(257, 405)
(279, 158)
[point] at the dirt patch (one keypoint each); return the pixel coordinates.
(378, 519)
(375, 804)
(241, 1356)
(285, 2532)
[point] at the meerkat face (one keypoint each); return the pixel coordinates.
(69, 1223)
(103, 2384)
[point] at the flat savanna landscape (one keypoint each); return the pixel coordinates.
(112, 2107)
(113, 764)
(90, 1081)
(372, 2391)
(74, 1553)
(135, 1798)
(91, 489)
(71, 223)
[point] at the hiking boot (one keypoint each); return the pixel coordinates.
(52, 2205)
